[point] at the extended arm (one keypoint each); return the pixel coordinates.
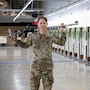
(24, 44)
(60, 41)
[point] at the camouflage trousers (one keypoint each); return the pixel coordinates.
(45, 75)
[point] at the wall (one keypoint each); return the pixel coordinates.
(3, 29)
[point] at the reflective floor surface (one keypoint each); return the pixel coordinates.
(15, 66)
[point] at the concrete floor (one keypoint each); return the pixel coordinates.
(15, 66)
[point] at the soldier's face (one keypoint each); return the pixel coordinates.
(42, 25)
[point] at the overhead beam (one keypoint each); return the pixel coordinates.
(18, 10)
(22, 10)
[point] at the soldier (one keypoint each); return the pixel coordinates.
(42, 64)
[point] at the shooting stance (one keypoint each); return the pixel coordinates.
(42, 64)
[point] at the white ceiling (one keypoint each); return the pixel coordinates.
(48, 6)
(53, 5)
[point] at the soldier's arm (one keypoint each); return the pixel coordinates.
(24, 44)
(60, 41)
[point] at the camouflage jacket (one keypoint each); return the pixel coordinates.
(42, 48)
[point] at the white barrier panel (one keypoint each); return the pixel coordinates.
(71, 40)
(84, 43)
(58, 46)
(62, 48)
(3, 39)
(76, 44)
(55, 45)
(89, 43)
(66, 43)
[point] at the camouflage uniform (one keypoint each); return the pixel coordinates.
(42, 64)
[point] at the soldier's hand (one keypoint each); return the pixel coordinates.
(12, 39)
(63, 27)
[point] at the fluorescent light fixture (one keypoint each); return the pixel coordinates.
(23, 10)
